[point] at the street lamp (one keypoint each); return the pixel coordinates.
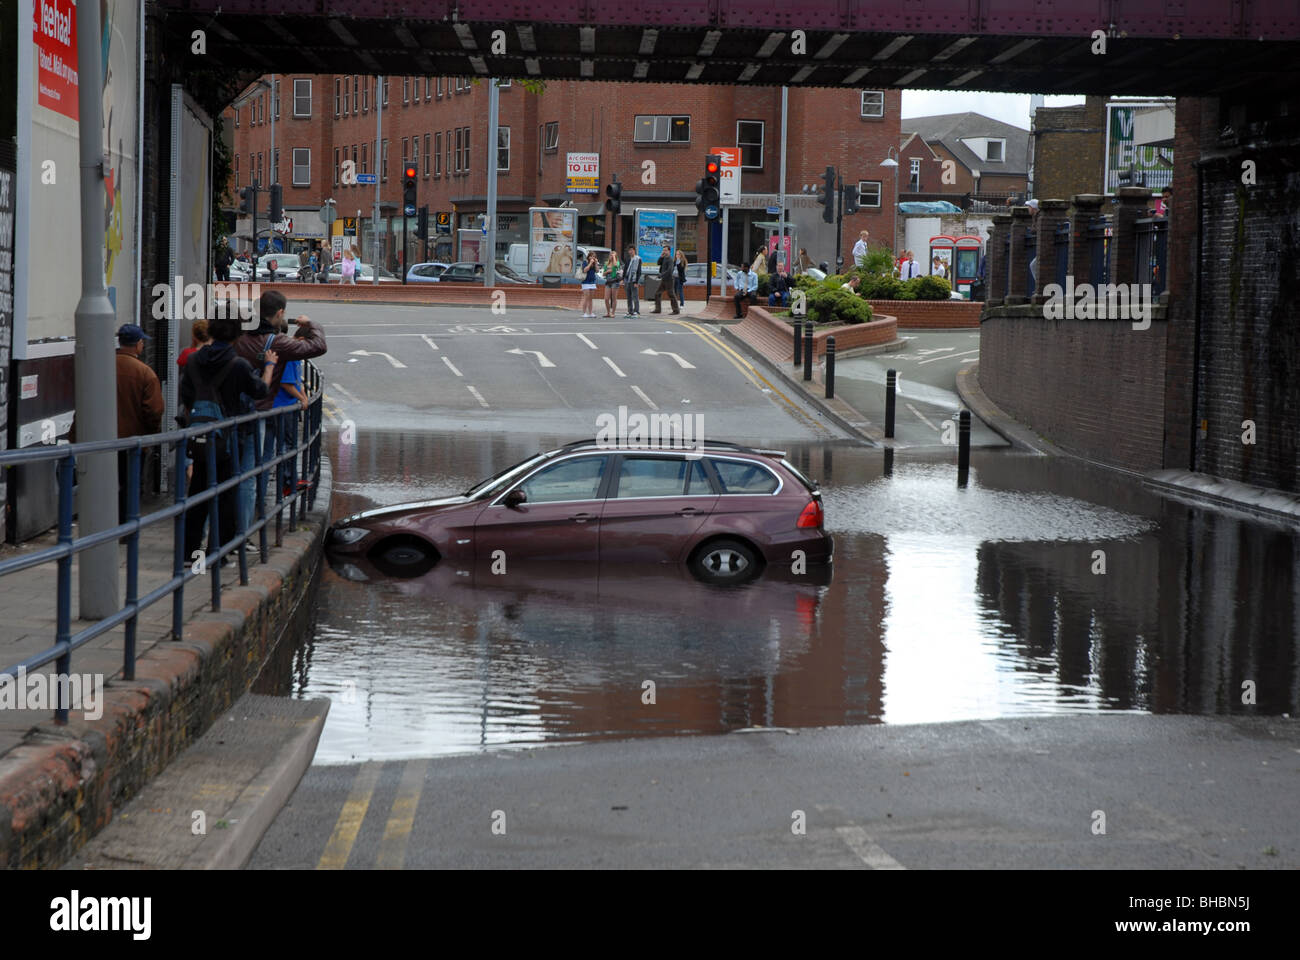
(891, 160)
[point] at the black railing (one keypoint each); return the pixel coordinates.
(1031, 254)
(1099, 237)
(1061, 252)
(293, 451)
(1152, 253)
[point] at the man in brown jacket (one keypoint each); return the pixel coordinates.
(252, 346)
(139, 400)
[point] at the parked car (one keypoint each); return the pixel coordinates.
(723, 510)
(505, 274)
(425, 272)
(287, 268)
(462, 271)
(365, 274)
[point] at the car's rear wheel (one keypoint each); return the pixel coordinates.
(725, 561)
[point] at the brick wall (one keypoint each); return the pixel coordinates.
(930, 314)
(1069, 145)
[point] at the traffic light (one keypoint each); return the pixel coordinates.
(408, 186)
(707, 190)
(850, 200)
(245, 199)
(826, 196)
(422, 224)
(615, 193)
(277, 203)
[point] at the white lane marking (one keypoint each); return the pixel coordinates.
(343, 390)
(614, 366)
(922, 417)
(397, 364)
(477, 396)
(583, 338)
(641, 393)
(684, 364)
(541, 357)
(953, 356)
(451, 366)
(429, 340)
(857, 840)
(926, 353)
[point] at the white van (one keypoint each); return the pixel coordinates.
(517, 258)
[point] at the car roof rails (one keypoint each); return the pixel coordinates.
(715, 444)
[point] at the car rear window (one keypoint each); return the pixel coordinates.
(744, 477)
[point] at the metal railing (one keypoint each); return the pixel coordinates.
(1061, 252)
(1030, 243)
(292, 450)
(1099, 239)
(1152, 253)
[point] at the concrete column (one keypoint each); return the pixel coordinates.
(997, 261)
(1087, 207)
(1021, 218)
(1131, 204)
(1051, 214)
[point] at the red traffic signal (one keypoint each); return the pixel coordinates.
(711, 166)
(411, 173)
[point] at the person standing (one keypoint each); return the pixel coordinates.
(910, 268)
(665, 281)
(771, 262)
(589, 271)
(139, 401)
(611, 273)
(680, 282)
(630, 281)
(746, 288)
(860, 248)
(199, 339)
(348, 269)
(225, 257)
(805, 262)
(760, 263)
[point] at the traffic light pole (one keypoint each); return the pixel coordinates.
(402, 263)
(256, 188)
(839, 221)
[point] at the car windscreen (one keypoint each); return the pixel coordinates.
(495, 484)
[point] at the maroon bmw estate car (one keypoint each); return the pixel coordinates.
(724, 510)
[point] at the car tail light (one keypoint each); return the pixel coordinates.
(812, 515)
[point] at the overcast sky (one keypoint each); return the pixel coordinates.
(1007, 107)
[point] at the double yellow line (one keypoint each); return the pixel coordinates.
(401, 817)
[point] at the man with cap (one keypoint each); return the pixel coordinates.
(139, 399)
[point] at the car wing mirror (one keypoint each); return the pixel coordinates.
(515, 497)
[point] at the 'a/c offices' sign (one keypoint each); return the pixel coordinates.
(582, 173)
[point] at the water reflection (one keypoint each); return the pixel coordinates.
(1043, 587)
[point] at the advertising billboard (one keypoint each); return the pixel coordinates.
(654, 228)
(582, 173)
(1152, 166)
(552, 240)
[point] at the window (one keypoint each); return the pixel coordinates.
(236, 118)
(406, 90)
(868, 193)
(469, 84)
(873, 103)
(437, 154)
(658, 477)
(577, 479)
(365, 97)
(914, 174)
(744, 477)
(458, 147)
(465, 155)
(551, 138)
(354, 157)
(276, 105)
(336, 166)
(385, 91)
(356, 95)
(275, 166)
(749, 138)
(405, 153)
(302, 98)
(449, 153)
(384, 168)
(428, 85)
(503, 149)
(651, 129)
(302, 166)
(338, 96)
(347, 94)
(365, 149)
(503, 84)
(438, 87)
(995, 150)
(426, 156)
(459, 82)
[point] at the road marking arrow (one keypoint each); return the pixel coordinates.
(541, 357)
(397, 364)
(503, 329)
(684, 364)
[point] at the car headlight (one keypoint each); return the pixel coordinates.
(349, 534)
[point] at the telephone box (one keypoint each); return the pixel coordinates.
(941, 248)
(966, 264)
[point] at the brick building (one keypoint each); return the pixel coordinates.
(1069, 148)
(653, 136)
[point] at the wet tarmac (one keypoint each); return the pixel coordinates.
(1043, 587)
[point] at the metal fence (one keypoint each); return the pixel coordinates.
(292, 463)
(1099, 238)
(1061, 253)
(1152, 253)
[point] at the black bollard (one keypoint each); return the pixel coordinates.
(891, 385)
(807, 350)
(963, 447)
(830, 368)
(798, 342)
(889, 461)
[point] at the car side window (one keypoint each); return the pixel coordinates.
(739, 477)
(697, 484)
(651, 477)
(577, 479)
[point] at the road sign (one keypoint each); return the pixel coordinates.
(444, 221)
(327, 215)
(712, 212)
(367, 178)
(409, 209)
(774, 210)
(729, 187)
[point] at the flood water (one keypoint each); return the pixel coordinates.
(1044, 587)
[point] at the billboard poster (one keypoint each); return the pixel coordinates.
(654, 228)
(582, 173)
(1152, 166)
(552, 240)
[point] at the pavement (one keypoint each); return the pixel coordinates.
(1086, 792)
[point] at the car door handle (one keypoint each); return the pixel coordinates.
(583, 517)
(687, 512)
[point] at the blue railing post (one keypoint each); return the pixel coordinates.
(241, 517)
(214, 536)
(63, 616)
(132, 560)
(270, 430)
(179, 560)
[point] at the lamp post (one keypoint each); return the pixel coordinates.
(891, 160)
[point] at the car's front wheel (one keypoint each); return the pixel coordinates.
(403, 558)
(725, 561)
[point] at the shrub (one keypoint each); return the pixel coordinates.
(928, 288)
(827, 305)
(805, 282)
(881, 287)
(879, 261)
(764, 285)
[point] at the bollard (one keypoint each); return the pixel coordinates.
(963, 447)
(807, 350)
(830, 368)
(889, 461)
(891, 386)
(798, 342)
